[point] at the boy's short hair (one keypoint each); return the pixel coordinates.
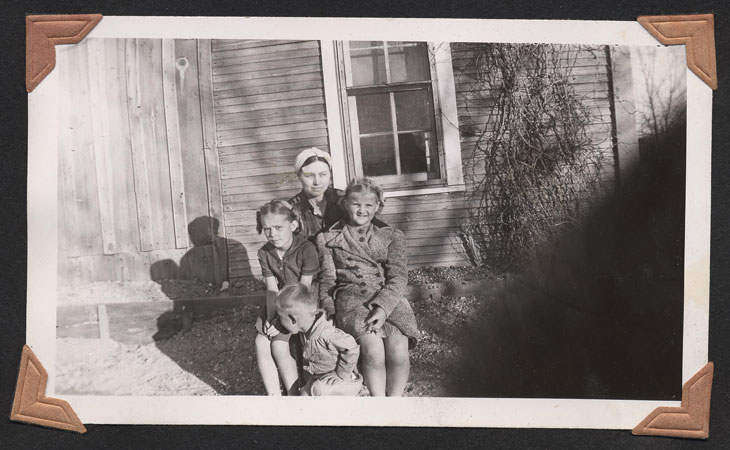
(295, 296)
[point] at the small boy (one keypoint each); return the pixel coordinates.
(330, 354)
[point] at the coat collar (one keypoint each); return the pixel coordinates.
(318, 326)
(297, 241)
(330, 194)
(340, 225)
(344, 241)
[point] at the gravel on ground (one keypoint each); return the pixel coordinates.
(216, 355)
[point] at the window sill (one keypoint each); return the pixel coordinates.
(395, 192)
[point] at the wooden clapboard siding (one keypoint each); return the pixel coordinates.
(269, 104)
(255, 91)
(235, 87)
(136, 165)
(270, 147)
(266, 73)
(304, 58)
(223, 45)
(284, 51)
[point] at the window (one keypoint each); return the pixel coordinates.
(393, 101)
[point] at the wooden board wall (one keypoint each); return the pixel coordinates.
(269, 105)
(157, 133)
(133, 171)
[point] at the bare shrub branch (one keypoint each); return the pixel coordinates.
(534, 158)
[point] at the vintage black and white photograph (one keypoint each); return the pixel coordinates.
(367, 218)
(522, 206)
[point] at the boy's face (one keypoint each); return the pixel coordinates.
(361, 207)
(278, 230)
(296, 320)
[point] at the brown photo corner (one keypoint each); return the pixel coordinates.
(43, 32)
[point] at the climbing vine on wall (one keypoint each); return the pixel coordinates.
(535, 157)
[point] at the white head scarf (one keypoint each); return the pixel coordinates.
(308, 153)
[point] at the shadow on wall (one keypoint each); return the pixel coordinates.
(207, 261)
(602, 315)
(214, 355)
(206, 264)
(202, 272)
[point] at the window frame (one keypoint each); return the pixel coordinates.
(445, 122)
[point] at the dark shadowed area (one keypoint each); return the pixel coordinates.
(602, 317)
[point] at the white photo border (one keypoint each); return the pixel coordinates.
(449, 412)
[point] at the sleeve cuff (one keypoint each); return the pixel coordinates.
(329, 308)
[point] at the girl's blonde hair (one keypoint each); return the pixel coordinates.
(365, 185)
(281, 207)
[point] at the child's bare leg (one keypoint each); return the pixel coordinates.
(287, 365)
(397, 364)
(267, 368)
(372, 353)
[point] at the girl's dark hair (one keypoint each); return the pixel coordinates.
(313, 159)
(281, 207)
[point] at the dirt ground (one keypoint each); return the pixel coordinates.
(216, 355)
(96, 367)
(586, 338)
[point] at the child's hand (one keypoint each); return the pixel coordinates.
(375, 320)
(330, 378)
(269, 329)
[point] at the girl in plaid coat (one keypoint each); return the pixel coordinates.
(362, 283)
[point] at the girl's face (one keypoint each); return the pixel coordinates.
(361, 207)
(315, 178)
(278, 230)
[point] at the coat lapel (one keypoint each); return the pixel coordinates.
(344, 241)
(380, 241)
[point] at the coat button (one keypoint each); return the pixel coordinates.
(363, 291)
(362, 283)
(362, 239)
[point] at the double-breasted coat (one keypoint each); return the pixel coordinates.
(361, 268)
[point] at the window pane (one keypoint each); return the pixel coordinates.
(416, 153)
(408, 61)
(373, 113)
(367, 62)
(413, 110)
(378, 155)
